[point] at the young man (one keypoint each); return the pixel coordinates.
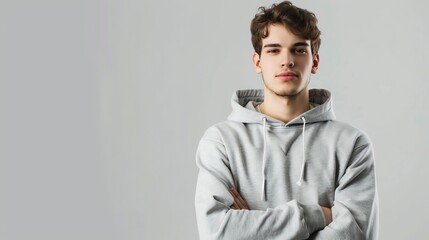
(282, 167)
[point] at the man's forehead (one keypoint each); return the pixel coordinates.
(279, 34)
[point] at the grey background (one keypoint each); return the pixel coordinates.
(103, 104)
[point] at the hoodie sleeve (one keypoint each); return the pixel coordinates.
(215, 218)
(355, 209)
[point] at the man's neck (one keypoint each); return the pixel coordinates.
(285, 108)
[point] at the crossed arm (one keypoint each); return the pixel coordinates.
(240, 203)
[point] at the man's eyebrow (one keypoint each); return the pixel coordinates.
(272, 45)
(279, 45)
(301, 44)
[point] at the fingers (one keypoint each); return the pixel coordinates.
(235, 206)
(239, 202)
(328, 215)
(236, 201)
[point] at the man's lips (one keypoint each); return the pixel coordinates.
(286, 76)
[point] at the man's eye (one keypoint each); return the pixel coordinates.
(301, 51)
(273, 51)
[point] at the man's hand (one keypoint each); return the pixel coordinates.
(239, 202)
(328, 215)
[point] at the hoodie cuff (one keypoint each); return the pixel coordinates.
(314, 217)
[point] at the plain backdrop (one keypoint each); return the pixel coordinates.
(102, 105)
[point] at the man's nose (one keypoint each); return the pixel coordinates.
(287, 60)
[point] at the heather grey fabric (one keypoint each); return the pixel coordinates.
(311, 161)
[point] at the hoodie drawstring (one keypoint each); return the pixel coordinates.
(264, 161)
(264, 158)
(303, 154)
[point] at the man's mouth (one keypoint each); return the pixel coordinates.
(286, 76)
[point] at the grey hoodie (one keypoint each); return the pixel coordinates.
(285, 172)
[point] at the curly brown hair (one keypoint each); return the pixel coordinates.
(300, 22)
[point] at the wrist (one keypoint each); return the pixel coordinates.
(314, 217)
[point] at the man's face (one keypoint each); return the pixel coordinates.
(286, 62)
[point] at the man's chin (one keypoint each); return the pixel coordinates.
(285, 92)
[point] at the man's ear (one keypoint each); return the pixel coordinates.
(257, 62)
(316, 60)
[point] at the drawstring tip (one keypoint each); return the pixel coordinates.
(299, 183)
(263, 196)
(263, 190)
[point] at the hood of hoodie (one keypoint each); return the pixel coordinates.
(244, 101)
